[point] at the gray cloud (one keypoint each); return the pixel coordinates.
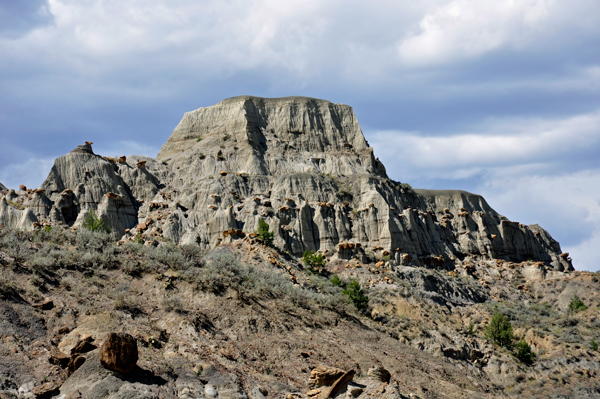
(19, 17)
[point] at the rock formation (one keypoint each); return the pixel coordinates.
(302, 165)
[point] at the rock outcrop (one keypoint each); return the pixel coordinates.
(302, 165)
(14, 216)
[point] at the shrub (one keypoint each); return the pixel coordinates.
(576, 304)
(500, 331)
(87, 240)
(315, 262)
(264, 234)
(173, 304)
(523, 352)
(94, 223)
(594, 344)
(357, 296)
(470, 328)
(336, 280)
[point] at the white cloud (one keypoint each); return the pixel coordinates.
(468, 28)
(31, 172)
(496, 144)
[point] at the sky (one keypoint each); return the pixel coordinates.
(495, 97)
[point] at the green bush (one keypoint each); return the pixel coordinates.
(576, 304)
(315, 262)
(500, 331)
(264, 234)
(94, 223)
(523, 352)
(357, 296)
(594, 344)
(336, 280)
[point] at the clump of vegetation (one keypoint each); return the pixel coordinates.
(16, 205)
(523, 352)
(199, 139)
(201, 156)
(220, 156)
(594, 345)
(264, 234)
(470, 328)
(344, 191)
(336, 280)
(357, 296)
(576, 304)
(315, 262)
(95, 223)
(500, 330)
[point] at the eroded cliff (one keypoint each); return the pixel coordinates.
(301, 164)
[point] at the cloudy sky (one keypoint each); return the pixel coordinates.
(497, 97)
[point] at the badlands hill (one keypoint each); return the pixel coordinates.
(302, 165)
(218, 313)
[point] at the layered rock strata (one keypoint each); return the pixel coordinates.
(302, 165)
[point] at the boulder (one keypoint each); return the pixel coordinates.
(323, 376)
(119, 353)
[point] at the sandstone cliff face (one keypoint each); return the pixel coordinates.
(302, 165)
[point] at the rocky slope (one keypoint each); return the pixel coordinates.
(302, 165)
(245, 321)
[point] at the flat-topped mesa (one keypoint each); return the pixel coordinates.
(271, 136)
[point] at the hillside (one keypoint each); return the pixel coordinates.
(398, 293)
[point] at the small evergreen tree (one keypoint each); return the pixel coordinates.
(264, 234)
(315, 262)
(500, 331)
(357, 296)
(576, 304)
(523, 352)
(95, 223)
(336, 280)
